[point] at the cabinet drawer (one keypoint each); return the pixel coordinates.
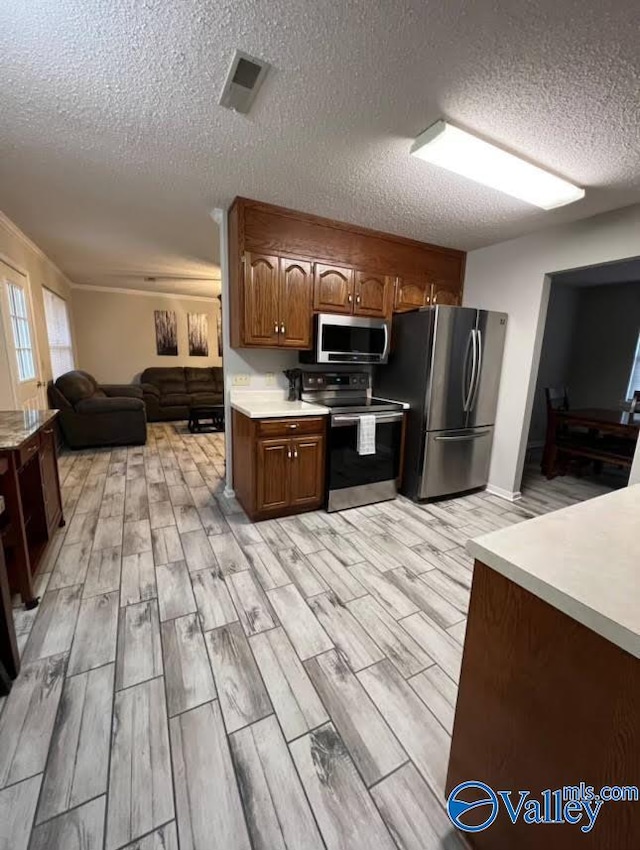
(290, 427)
(28, 450)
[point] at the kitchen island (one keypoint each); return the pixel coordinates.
(30, 486)
(550, 685)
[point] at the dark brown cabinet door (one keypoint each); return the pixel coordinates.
(411, 293)
(332, 289)
(373, 295)
(296, 304)
(273, 474)
(261, 326)
(445, 292)
(307, 471)
(49, 474)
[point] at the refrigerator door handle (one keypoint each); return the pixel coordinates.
(476, 381)
(462, 438)
(467, 383)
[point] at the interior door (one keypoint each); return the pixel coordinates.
(490, 337)
(296, 304)
(332, 289)
(20, 340)
(373, 295)
(451, 368)
(261, 325)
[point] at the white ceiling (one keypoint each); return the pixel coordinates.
(113, 148)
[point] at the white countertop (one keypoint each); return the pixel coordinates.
(263, 405)
(583, 560)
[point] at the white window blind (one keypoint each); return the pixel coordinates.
(59, 333)
(21, 334)
(634, 380)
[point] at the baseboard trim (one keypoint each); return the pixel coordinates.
(508, 495)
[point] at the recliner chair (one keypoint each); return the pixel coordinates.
(93, 415)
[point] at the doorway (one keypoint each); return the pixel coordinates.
(20, 350)
(590, 361)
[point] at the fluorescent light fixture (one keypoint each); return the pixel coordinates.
(451, 148)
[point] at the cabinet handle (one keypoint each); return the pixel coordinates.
(275, 328)
(295, 454)
(350, 298)
(358, 299)
(289, 453)
(293, 425)
(282, 328)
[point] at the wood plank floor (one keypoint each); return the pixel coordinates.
(192, 680)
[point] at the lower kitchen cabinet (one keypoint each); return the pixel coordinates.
(278, 464)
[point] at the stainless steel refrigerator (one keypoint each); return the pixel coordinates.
(445, 362)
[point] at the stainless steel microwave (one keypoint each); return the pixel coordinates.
(348, 339)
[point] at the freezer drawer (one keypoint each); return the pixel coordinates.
(455, 461)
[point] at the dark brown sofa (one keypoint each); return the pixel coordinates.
(169, 392)
(93, 414)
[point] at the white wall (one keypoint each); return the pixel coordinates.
(115, 333)
(556, 354)
(604, 345)
(511, 276)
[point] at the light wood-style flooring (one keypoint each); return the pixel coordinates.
(192, 680)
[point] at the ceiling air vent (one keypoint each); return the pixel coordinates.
(244, 79)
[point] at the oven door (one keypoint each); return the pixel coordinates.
(355, 479)
(351, 339)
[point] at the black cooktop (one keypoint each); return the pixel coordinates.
(360, 405)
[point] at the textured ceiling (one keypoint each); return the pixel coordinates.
(113, 148)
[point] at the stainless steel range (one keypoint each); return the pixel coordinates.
(364, 439)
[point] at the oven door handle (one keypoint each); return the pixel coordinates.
(340, 420)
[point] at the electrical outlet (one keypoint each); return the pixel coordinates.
(270, 379)
(241, 380)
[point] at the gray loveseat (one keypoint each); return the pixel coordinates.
(94, 415)
(170, 391)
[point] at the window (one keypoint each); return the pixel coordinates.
(634, 379)
(59, 333)
(21, 332)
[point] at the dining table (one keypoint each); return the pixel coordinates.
(596, 424)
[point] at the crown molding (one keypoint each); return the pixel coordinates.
(14, 230)
(120, 290)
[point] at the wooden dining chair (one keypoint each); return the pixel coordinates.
(560, 435)
(557, 398)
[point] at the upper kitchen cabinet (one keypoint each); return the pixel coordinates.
(286, 265)
(446, 292)
(332, 289)
(373, 295)
(295, 300)
(412, 291)
(261, 319)
(277, 297)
